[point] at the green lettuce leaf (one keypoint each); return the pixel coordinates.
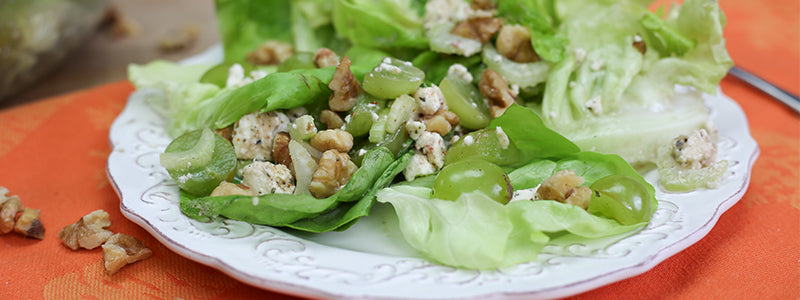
(607, 96)
(477, 232)
(541, 18)
(183, 96)
(382, 24)
(303, 211)
(244, 25)
(281, 90)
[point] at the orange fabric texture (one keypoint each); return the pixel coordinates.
(53, 155)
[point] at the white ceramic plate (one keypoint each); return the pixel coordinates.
(371, 260)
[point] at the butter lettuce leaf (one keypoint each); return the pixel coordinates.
(609, 95)
(476, 232)
(382, 24)
(304, 212)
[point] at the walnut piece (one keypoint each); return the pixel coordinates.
(227, 188)
(325, 58)
(225, 132)
(333, 172)
(514, 42)
(178, 39)
(483, 4)
(270, 53)
(280, 149)
(639, 44)
(441, 122)
(345, 87)
(29, 224)
(10, 207)
(564, 186)
(88, 232)
(337, 139)
(121, 250)
(331, 119)
(495, 88)
(480, 28)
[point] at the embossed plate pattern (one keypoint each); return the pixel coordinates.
(371, 259)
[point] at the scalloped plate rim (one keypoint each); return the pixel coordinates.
(308, 289)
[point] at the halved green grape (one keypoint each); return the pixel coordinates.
(464, 99)
(484, 144)
(469, 176)
(621, 198)
(359, 122)
(361, 117)
(299, 60)
(218, 75)
(199, 160)
(392, 78)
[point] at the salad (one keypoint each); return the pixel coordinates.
(490, 126)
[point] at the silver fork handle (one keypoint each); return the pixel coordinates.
(772, 90)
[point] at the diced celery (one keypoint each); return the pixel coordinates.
(303, 165)
(401, 110)
(303, 128)
(677, 178)
(378, 130)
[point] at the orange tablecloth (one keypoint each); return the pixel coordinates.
(53, 155)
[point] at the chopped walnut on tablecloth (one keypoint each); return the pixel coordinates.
(121, 250)
(27, 223)
(88, 232)
(9, 207)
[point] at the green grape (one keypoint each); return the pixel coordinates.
(392, 78)
(199, 160)
(483, 144)
(469, 176)
(361, 117)
(621, 198)
(218, 75)
(359, 123)
(300, 60)
(464, 99)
